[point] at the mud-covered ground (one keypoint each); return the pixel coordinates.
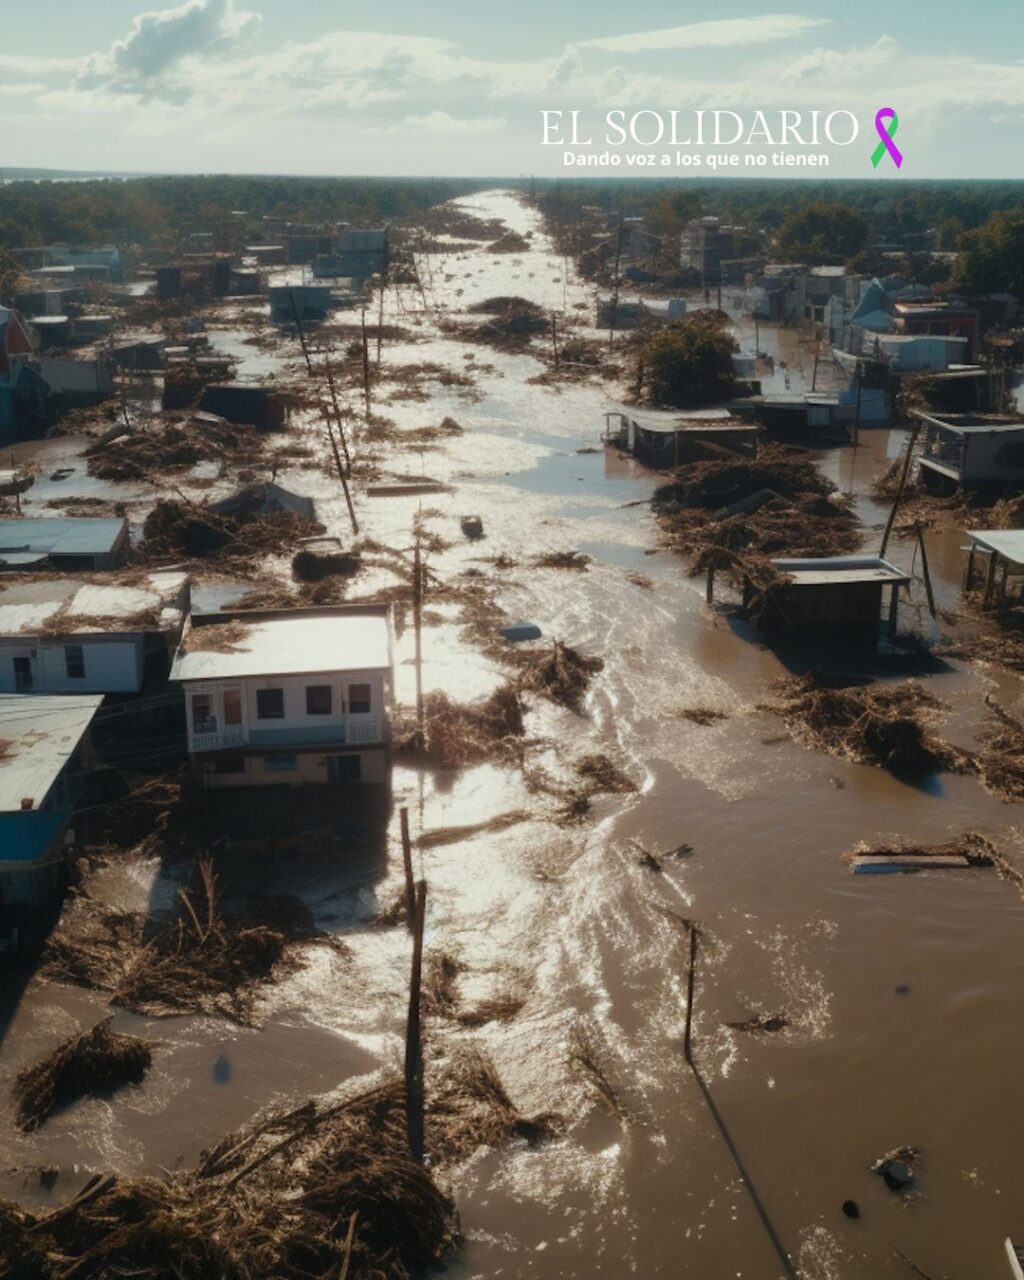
(899, 996)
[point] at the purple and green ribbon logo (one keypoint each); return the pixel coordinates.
(886, 133)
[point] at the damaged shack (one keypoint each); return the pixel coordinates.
(666, 438)
(241, 403)
(834, 594)
(72, 544)
(106, 634)
(971, 451)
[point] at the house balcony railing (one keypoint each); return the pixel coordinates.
(370, 731)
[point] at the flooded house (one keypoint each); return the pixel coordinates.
(26, 401)
(245, 404)
(971, 451)
(707, 244)
(46, 753)
(617, 313)
(77, 383)
(362, 253)
(82, 634)
(667, 437)
(143, 355)
(264, 498)
(288, 696)
(311, 301)
(820, 415)
(839, 595)
(68, 543)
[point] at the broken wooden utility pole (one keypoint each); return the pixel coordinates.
(414, 1094)
(554, 341)
(899, 492)
(410, 885)
(342, 469)
(417, 615)
(924, 569)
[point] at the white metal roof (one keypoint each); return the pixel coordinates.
(288, 644)
(1005, 542)
(833, 570)
(75, 605)
(38, 735)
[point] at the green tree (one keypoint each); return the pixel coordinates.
(991, 258)
(686, 363)
(822, 233)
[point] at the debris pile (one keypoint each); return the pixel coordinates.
(884, 725)
(510, 242)
(734, 512)
(1000, 762)
(176, 446)
(326, 1189)
(562, 560)
(562, 674)
(178, 528)
(198, 961)
(317, 1192)
(460, 734)
(93, 1064)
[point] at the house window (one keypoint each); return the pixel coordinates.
(204, 717)
(280, 764)
(232, 707)
(22, 673)
(318, 699)
(270, 704)
(359, 699)
(74, 661)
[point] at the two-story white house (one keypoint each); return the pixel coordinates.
(110, 635)
(288, 696)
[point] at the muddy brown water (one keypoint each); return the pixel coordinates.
(594, 941)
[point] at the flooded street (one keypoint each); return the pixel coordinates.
(901, 995)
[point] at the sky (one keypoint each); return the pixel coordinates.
(451, 87)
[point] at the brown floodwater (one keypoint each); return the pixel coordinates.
(902, 995)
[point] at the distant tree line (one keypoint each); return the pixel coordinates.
(982, 220)
(155, 210)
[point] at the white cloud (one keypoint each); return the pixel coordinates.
(442, 124)
(144, 63)
(719, 34)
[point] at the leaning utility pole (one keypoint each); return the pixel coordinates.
(342, 469)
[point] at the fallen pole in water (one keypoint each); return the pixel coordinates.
(762, 1212)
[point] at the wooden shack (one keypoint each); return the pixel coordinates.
(668, 438)
(834, 594)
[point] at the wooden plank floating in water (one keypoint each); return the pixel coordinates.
(866, 864)
(402, 490)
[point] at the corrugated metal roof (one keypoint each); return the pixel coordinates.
(68, 536)
(285, 644)
(39, 734)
